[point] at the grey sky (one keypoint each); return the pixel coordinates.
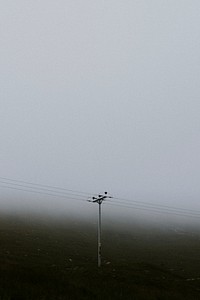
(102, 95)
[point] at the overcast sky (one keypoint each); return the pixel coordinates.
(102, 95)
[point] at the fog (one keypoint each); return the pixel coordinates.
(100, 96)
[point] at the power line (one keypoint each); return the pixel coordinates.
(156, 210)
(170, 209)
(41, 188)
(44, 185)
(161, 208)
(128, 201)
(120, 204)
(42, 193)
(69, 194)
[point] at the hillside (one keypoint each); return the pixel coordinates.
(57, 260)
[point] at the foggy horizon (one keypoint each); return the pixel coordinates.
(100, 96)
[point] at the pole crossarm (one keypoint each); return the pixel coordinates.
(100, 198)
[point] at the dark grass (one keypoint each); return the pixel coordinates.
(57, 260)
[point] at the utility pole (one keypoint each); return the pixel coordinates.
(99, 200)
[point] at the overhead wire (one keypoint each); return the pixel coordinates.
(55, 191)
(154, 210)
(43, 193)
(165, 208)
(44, 185)
(41, 188)
(150, 204)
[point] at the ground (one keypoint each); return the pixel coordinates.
(54, 259)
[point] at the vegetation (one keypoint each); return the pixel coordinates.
(57, 260)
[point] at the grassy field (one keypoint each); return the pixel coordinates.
(57, 260)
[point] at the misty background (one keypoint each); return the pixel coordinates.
(100, 96)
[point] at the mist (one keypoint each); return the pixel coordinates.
(100, 96)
